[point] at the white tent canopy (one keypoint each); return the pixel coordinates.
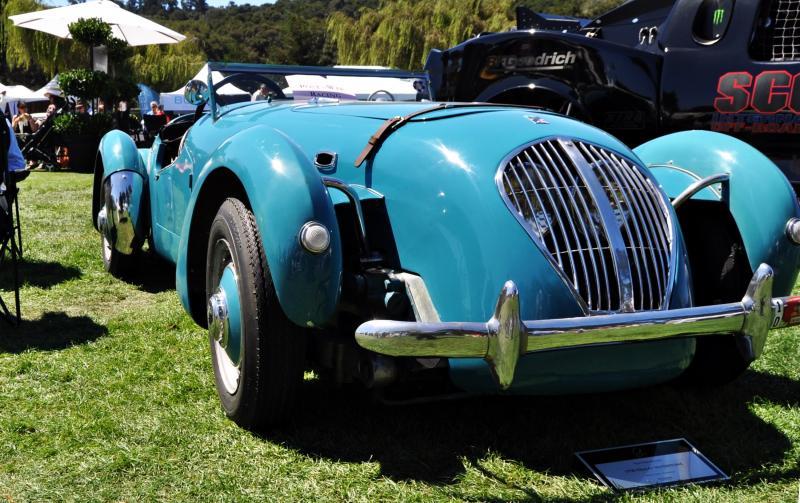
(22, 93)
(50, 88)
(174, 101)
(125, 25)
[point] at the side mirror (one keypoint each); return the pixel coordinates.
(195, 92)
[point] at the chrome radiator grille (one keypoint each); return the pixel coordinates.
(602, 222)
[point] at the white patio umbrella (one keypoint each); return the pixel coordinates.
(125, 25)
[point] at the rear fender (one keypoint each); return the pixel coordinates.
(284, 192)
(120, 205)
(759, 198)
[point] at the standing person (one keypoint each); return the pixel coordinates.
(4, 109)
(154, 109)
(162, 112)
(23, 123)
(121, 119)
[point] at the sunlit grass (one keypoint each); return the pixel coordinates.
(106, 394)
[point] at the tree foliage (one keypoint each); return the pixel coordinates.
(401, 33)
(28, 49)
(91, 32)
(396, 33)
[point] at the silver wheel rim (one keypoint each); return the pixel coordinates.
(106, 249)
(219, 321)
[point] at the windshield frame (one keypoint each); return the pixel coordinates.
(231, 68)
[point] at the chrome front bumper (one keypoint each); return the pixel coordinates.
(505, 337)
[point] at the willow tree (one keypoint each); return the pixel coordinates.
(26, 48)
(167, 67)
(401, 33)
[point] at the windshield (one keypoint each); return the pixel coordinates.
(238, 83)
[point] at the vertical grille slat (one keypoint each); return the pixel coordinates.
(591, 249)
(585, 205)
(644, 233)
(654, 217)
(556, 184)
(565, 236)
(646, 245)
(635, 252)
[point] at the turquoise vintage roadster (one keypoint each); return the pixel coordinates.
(372, 241)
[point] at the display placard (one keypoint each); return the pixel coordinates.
(654, 464)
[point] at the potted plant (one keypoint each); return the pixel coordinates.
(80, 131)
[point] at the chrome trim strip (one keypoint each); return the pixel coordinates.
(598, 244)
(636, 203)
(658, 216)
(636, 251)
(699, 185)
(348, 191)
(684, 171)
(619, 252)
(505, 337)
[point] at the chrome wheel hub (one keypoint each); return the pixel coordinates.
(218, 325)
(225, 328)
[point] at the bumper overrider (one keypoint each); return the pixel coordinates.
(505, 337)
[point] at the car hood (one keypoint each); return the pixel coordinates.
(437, 176)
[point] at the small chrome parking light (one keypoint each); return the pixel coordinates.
(793, 230)
(315, 237)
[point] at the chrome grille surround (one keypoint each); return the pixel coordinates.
(598, 217)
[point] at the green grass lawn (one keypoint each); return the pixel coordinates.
(107, 394)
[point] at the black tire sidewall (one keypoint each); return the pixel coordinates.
(270, 370)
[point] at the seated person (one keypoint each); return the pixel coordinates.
(261, 94)
(80, 108)
(154, 109)
(23, 123)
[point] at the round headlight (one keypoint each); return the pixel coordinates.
(793, 230)
(315, 237)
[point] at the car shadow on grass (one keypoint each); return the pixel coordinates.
(53, 331)
(430, 442)
(38, 274)
(153, 274)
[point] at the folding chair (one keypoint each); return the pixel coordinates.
(9, 249)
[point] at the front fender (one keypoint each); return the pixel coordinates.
(760, 199)
(120, 207)
(284, 191)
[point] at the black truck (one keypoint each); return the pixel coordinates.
(647, 68)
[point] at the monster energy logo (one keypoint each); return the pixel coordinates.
(719, 15)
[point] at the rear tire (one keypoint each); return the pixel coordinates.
(257, 353)
(119, 265)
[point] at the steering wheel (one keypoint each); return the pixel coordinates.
(373, 96)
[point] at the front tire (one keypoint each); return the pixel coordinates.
(257, 353)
